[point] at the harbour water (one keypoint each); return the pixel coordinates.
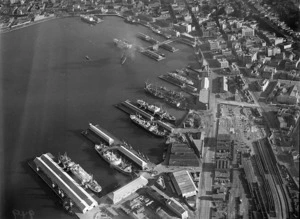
(50, 92)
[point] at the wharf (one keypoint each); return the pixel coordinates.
(126, 106)
(185, 87)
(135, 109)
(56, 190)
(164, 45)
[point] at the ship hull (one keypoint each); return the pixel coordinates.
(113, 166)
(135, 122)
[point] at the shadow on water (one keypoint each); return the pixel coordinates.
(77, 133)
(45, 193)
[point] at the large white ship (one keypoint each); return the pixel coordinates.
(181, 78)
(122, 44)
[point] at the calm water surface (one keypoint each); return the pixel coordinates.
(49, 93)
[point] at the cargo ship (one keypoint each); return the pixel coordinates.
(181, 78)
(114, 159)
(90, 19)
(82, 176)
(122, 44)
(154, 91)
(149, 126)
(152, 55)
(155, 110)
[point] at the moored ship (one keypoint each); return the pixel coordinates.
(181, 78)
(155, 110)
(154, 91)
(122, 44)
(90, 19)
(82, 176)
(149, 126)
(114, 159)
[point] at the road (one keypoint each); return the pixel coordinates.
(208, 152)
(243, 104)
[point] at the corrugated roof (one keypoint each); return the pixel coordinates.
(184, 182)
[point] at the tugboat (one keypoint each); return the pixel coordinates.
(114, 159)
(149, 126)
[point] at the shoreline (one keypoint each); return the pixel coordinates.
(21, 26)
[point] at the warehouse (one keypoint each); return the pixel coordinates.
(101, 133)
(133, 157)
(177, 208)
(182, 155)
(224, 84)
(70, 188)
(183, 183)
(128, 189)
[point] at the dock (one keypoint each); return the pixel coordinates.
(164, 45)
(63, 184)
(135, 110)
(129, 108)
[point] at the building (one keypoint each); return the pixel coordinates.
(205, 83)
(223, 143)
(214, 44)
(247, 31)
(262, 85)
(65, 183)
(183, 184)
(182, 155)
(96, 129)
(123, 192)
(133, 157)
(224, 84)
(285, 99)
(177, 208)
(204, 96)
(223, 63)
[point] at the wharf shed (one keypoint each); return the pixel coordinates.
(101, 133)
(166, 126)
(183, 183)
(133, 157)
(183, 155)
(177, 208)
(123, 192)
(66, 183)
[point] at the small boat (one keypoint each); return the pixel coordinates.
(123, 58)
(87, 58)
